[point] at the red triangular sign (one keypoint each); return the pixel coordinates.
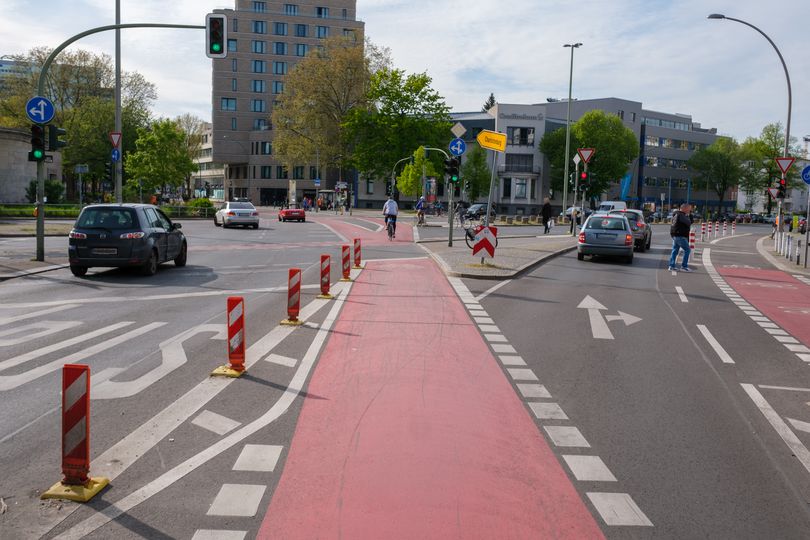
(115, 138)
(773, 191)
(585, 154)
(784, 163)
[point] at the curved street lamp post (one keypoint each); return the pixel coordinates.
(566, 179)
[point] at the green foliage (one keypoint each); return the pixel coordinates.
(475, 174)
(201, 202)
(161, 158)
(489, 103)
(552, 145)
(54, 191)
(718, 165)
(410, 181)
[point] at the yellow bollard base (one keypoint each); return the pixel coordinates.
(291, 322)
(357, 267)
(346, 279)
(325, 296)
(227, 371)
(79, 493)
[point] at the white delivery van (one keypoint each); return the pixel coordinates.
(608, 206)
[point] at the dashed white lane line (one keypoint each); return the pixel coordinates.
(589, 468)
(258, 458)
(237, 500)
(492, 338)
(502, 348)
(721, 352)
(619, 509)
(483, 320)
(566, 437)
(215, 422)
(522, 374)
(492, 289)
(534, 391)
(509, 360)
(547, 411)
(281, 360)
(488, 328)
(681, 294)
(214, 534)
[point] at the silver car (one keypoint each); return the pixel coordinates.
(237, 213)
(606, 234)
(641, 230)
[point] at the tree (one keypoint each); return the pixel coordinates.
(489, 103)
(761, 171)
(475, 174)
(410, 181)
(402, 112)
(552, 145)
(319, 94)
(161, 158)
(192, 128)
(54, 190)
(719, 165)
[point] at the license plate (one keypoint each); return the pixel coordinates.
(104, 251)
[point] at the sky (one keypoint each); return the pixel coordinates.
(665, 54)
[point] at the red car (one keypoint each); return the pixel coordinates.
(293, 213)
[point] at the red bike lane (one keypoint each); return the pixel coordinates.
(412, 430)
(362, 228)
(782, 298)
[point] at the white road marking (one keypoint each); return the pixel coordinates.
(799, 425)
(797, 348)
(566, 436)
(46, 328)
(215, 534)
(721, 352)
(333, 231)
(777, 332)
(767, 325)
(674, 272)
(534, 391)
(35, 314)
(215, 422)
(619, 509)
(681, 294)
(258, 458)
(488, 328)
(522, 374)
(589, 468)
(483, 320)
(237, 500)
(396, 259)
(547, 411)
(492, 289)
(759, 318)
(281, 360)
(785, 339)
(791, 440)
(495, 337)
(512, 360)
(599, 327)
(379, 226)
(502, 348)
(805, 357)
(789, 388)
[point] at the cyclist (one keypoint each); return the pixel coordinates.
(390, 211)
(420, 211)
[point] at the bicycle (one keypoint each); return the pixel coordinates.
(390, 224)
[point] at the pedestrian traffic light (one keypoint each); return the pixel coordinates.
(37, 152)
(53, 138)
(451, 169)
(216, 35)
(781, 189)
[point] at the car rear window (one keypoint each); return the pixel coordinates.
(635, 216)
(606, 223)
(241, 205)
(108, 218)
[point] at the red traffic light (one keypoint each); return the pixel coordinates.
(583, 175)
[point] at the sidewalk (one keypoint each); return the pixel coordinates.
(766, 248)
(14, 228)
(512, 257)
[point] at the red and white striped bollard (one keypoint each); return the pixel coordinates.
(346, 266)
(293, 298)
(326, 277)
(692, 235)
(702, 231)
(357, 254)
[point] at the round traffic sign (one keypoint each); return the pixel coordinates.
(806, 175)
(115, 155)
(458, 147)
(39, 110)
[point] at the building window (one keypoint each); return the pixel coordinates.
(280, 28)
(370, 187)
(258, 86)
(233, 124)
(259, 27)
(279, 68)
(260, 124)
(301, 49)
(228, 104)
(347, 33)
(257, 105)
(234, 26)
(301, 30)
(280, 48)
(533, 183)
(633, 117)
(621, 115)
(258, 47)
(507, 188)
(313, 172)
(231, 45)
(281, 172)
(520, 188)
(233, 85)
(266, 172)
(265, 148)
(323, 31)
(259, 66)
(322, 12)
(278, 87)
(290, 9)
(345, 13)
(233, 65)
(259, 7)
(298, 172)
(519, 162)
(523, 136)
(651, 140)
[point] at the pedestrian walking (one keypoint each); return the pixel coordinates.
(545, 212)
(574, 220)
(679, 231)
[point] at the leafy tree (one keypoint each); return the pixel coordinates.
(410, 181)
(161, 158)
(760, 170)
(552, 145)
(192, 128)
(402, 112)
(475, 174)
(718, 165)
(489, 103)
(54, 191)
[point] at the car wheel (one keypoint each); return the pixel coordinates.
(629, 259)
(279, 219)
(150, 267)
(649, 243)
(78, 271)
(641, 247)
(180, 260)
(256, 226)
(304, 221)
(217, 223)
(580, 256)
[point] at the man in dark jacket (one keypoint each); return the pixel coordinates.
(545, 212)
(679, 231)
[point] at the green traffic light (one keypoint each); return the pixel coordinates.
(39, 154)
(216, 47)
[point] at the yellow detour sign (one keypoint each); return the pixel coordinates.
(492, 140)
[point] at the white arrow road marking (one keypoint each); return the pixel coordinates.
(798, 424)
(599, 327)
(626, 317)
(46, 328)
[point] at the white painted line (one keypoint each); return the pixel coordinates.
(752, 312)
(333, 231)
(495, 338)
(237, 500)
(396, 259)
(778, 332)
(488, 328)
(512, 360)
(799, 425)
(674, 272)
(589, 468)
(681, 294)
(760, 318)
(503, 348)
(791, 440)
(797, 348)
(721, 352)
(484, 320)
(789, 388)
(547, 411)
(522, 374)
(215, 422)
(534, 391)
(36, 314)
(566, 436)
(767, 324)
(729, 238)
(312, 325)
(619, 509)
(805, 357)
(258, 458)
(478, 312)
(281, 360)
(46, 328)
(492, 290)
(214, 534)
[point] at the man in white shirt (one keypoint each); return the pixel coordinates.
(390, 211)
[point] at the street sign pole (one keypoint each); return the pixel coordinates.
(574, 204)
(40, 211)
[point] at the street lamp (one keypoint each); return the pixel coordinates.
(790, 93)
(568, 126)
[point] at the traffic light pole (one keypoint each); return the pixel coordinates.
(43, 74)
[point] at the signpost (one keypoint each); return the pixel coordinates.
(115, 139)
(584, 155)
(485, 239)
(806, 178)
(492, 140)
(80, 169)
(772, 190)
(39, 109)
(458, 147)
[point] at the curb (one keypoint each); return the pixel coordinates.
(23, 273)
(523, 269)
(776, 262)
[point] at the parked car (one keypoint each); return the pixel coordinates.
(605, 234)
(292, 213)
(642, 232)
(769, 218)
(237, 212)
(118, 235)
(478, 210)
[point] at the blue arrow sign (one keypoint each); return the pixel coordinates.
(39, 110)
(115, 155)
(458, 147)
(806, 175)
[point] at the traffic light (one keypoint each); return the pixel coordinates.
(108, 171)
(451, 169)
(782, 189)
(584, 180)
(53, 138)
(37, 152)
(216, 35)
